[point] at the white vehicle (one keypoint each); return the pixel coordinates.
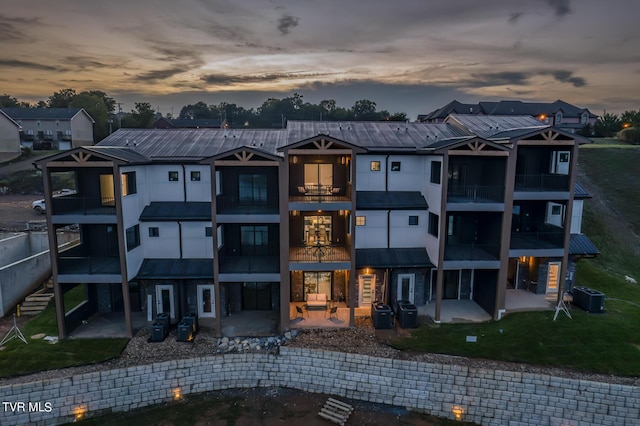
(39, 206)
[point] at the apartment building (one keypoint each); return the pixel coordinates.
(454, 215)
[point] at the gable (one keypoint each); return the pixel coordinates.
(322, 144)
(243, 156)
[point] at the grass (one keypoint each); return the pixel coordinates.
(606, 343)
(18, 358)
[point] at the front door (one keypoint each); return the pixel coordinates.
(164, 300)
(552, 279)
(366, 290)
(406, 287)
(206, 301)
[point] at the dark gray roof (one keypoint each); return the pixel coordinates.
(393, 258)
(376, 135)
(128, 155)
(396, 200)
(194, 144)
(163, 211)
(581, 245)
(580, 192)
(498, 126)
(453, 107)
(160, 269)
(196, 123)
(41, 113)
(509, 108)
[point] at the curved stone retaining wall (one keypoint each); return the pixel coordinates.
(488, 397)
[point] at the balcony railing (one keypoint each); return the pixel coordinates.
(319, 254)
(536, 240)
(475, 194)
(88, 265)
(472, 251)
(236, 205)
(542, 182)
(249, 264)
(84, 205)
(317, 193)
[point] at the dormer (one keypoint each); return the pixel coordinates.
(557, 118)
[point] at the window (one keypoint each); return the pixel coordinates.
(220, 236)
(558, 119)
(154, 231)
(433, 224)
(218, 183)
(361, 220)
(128, 183)
(195, 176)
(133, 237)
(413, 220)
(375, 166)
(395, 166)
(252, 189)
(584, 118)
(436, 171)
(254, 240)
(173, 177)
(556, 210)
(208, 231)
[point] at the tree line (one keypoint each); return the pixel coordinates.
(625, 126)
(273, 113)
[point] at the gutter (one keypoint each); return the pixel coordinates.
(184, 183)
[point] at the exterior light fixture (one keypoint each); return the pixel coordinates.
(79, 413)
(457, 411)
(343, 160)
(177, 394)
(295, 159)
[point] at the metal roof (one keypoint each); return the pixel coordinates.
(160, 211)
(393, 258)
(397, 200)
(195, 123)
(376, 135)
(42, 113)
(128, 155)
(581, 245)
(497, 126)
(580, 192)
(161, 269)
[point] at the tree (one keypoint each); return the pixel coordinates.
(608, 125)
(95, 106)
(7, 101)
(364, 109)
(61, 99)
(141, 117)
(199, 110)
(630, 119)
(108, 101)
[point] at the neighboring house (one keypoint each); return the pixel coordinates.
(224, 222)
(189, 123)
(52, 128)
(9, 135)
(559, 114)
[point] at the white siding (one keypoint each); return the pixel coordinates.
(194, 243)
(410, 175)
(160, 188)
(366, 180)
(9, 135)
(432, 191)
(576, 217)
(374, 233)
(402, 234)
(166, 245)
(199, 190)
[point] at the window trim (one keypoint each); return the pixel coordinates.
(361, 221)
(375, 165)
(396, 166)
(195, 176)
(174, 176)
(208, 231)
(433, 178)
(154, 232)
(416, 218)
(434, 224)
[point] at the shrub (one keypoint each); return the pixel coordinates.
(630, 135)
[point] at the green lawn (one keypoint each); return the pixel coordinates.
(18, 358)
(605, 343)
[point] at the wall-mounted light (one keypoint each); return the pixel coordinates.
(343, 159)
(295, 159)
(79, 412)
(457, 411)
(523, 259)
(177, 394)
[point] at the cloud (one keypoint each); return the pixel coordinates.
(566, 76)
(560, 7)
(15, 28)
(286, 22)
(221, 79)
(154, 75)
(84, 63)
(519, 78)
(13, 63)
(515, 17)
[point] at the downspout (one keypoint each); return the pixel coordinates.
(184, 184)
(388, 228)
(180, 237)
(386, 173)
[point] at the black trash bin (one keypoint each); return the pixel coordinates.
(381, 316)
(192, 317)
(588, 299)
(185, 331)
(157, 332)
(407, 314)
(164, 318)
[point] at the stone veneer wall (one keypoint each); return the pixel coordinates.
(488, 397)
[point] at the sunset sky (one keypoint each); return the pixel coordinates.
(406, 55)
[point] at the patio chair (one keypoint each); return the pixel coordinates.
(333, 312)
(300, 312)
(335, 190)
(302, 190)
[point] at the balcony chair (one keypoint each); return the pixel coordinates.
(335, 190)
(302, 190)
(300, 312)
(333, 312)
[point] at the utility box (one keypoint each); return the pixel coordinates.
(165, 319)
(185, 332)
(407, 314)
(588, 299)
(191, 317)
(157, 332)
(381, 316)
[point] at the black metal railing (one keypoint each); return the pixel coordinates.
(472, 251)
(319, 253)
(83, 205)
(89, 265)
(536, 240)
(236, 205)
(475, 194)
(318, 193)
(249, 264)
(542, 182)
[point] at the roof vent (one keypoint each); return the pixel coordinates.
(126, 142)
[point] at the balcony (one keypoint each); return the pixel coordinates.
(319, 253)
(472, 251)
(537, 240)
(542, 182)
(69, 205)
(249, 264)
(88, 265)
(318, 193)
(475, 194)
(237, 205)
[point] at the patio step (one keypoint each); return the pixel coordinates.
(35, 303)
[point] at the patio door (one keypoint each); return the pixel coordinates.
(206, 301)
(318, 176)
(317, 282)
(406, 287)
(317, 230)
(552, 278)
(366, 290)
(164, 300)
